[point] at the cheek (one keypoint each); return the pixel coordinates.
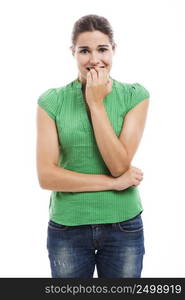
(82, 60)
(107, 59)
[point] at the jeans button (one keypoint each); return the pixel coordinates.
(94, 226)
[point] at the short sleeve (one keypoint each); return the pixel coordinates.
(137, 93)
(49, 102)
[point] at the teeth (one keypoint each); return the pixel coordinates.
(88, 68)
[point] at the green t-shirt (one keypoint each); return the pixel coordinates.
(79, 152)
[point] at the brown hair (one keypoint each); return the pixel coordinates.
(91, 23)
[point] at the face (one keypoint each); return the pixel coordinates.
(92, 49)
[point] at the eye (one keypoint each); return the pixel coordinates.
(103, 49)
(84, 51)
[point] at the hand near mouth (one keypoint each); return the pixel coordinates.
(98, 86)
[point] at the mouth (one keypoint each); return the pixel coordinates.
(88, 68)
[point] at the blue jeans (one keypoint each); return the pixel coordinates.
(116, 249)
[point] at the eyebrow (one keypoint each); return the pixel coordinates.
(86, 47)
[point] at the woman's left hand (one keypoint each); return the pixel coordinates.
(98, 86)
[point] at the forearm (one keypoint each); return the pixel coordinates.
(113, 152)
(60, 179)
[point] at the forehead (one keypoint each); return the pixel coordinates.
(93, 38)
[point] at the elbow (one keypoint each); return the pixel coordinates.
(42, 183)
(123, 166)
(115, 175)
(121, 171)
(43, 179)
(46, 178)
(45, 185)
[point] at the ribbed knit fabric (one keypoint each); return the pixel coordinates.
(79, 152)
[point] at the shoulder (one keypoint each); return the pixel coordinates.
(47, 93)
(57, 90)
(137, 90)
(51, 100)
(54, 94)
(132, 89)
(131, 93)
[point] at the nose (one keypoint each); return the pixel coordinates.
(94, 59)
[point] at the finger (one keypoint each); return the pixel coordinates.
(139, 177)
(108, 81)
(99, 73)
(89, 78)
(139, 173)
(94, 74)
(138, 170)
(104, 75)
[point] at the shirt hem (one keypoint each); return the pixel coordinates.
(98, 221)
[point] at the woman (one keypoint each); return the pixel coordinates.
(88, 133)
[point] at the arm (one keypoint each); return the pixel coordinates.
(51, 176)
(112, 149)
(118, 152)
(133, 128)
(60, 179)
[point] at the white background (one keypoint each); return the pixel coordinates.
(35, 56)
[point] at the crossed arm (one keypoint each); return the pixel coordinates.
(117, 152)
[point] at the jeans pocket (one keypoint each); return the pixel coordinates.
(55, 226)
(133, 225)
